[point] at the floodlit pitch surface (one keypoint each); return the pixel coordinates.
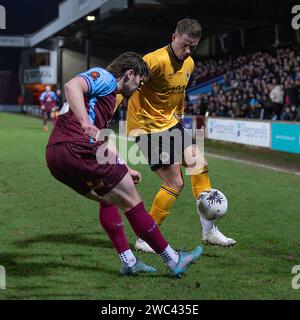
(52, 246)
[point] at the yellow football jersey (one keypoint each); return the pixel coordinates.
(152, 108)
(119, 100)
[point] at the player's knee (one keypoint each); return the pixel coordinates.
(130, 199)
(128, 205)
(194, 158)
(175, 183)
(133, 200)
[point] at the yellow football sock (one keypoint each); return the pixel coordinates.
(162, 203)
(200, 182)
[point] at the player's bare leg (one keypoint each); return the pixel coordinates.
(125, 196)
(45, 119)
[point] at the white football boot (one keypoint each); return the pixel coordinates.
(216, 237)
(141, 245)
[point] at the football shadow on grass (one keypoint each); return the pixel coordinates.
(210, 255)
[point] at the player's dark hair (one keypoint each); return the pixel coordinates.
(190, 27)
(127, 61)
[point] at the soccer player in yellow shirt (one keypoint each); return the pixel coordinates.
(157, 110)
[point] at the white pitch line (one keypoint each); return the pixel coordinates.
(253, 163)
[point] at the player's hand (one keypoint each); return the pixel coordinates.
(135, 175)
(42, 107)
(90, 130)
(179, 117)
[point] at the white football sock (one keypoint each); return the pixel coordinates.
(128, 257)
(169, 256)
(207, 225)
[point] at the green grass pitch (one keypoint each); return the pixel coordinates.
(52, 246)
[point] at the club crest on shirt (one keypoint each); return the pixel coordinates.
(188, 75)
(95, 75)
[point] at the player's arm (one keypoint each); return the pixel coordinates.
(75, 89)
(179, 111)
(42, 98)
(135, 175)
(54, 96)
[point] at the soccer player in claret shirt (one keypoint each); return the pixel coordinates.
(71, 158)
(48, 103)
(157, 109)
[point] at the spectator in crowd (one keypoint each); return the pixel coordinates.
(276, 96)
(259, 85)
(297, 114)
(289, 113)
(291, 93)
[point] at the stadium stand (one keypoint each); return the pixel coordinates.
(10, 87)
(259, 85)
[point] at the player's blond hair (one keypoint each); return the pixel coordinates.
(190, 27)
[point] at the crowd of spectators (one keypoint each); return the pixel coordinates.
(260, 85)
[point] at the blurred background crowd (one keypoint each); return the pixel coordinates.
(258, 85)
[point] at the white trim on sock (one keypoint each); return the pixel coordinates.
(169, 256)
(207, 225)
(128, 257)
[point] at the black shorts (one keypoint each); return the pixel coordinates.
(165, 147)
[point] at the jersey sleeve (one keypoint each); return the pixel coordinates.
(100, 82)
(119, 100)
(180, 108)
(153, 64)
(42, 97)
(53, 95)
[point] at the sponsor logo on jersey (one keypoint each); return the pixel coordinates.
(174, 89)
(98, 184)
(95, 75)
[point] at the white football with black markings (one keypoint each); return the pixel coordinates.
(212, 204)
